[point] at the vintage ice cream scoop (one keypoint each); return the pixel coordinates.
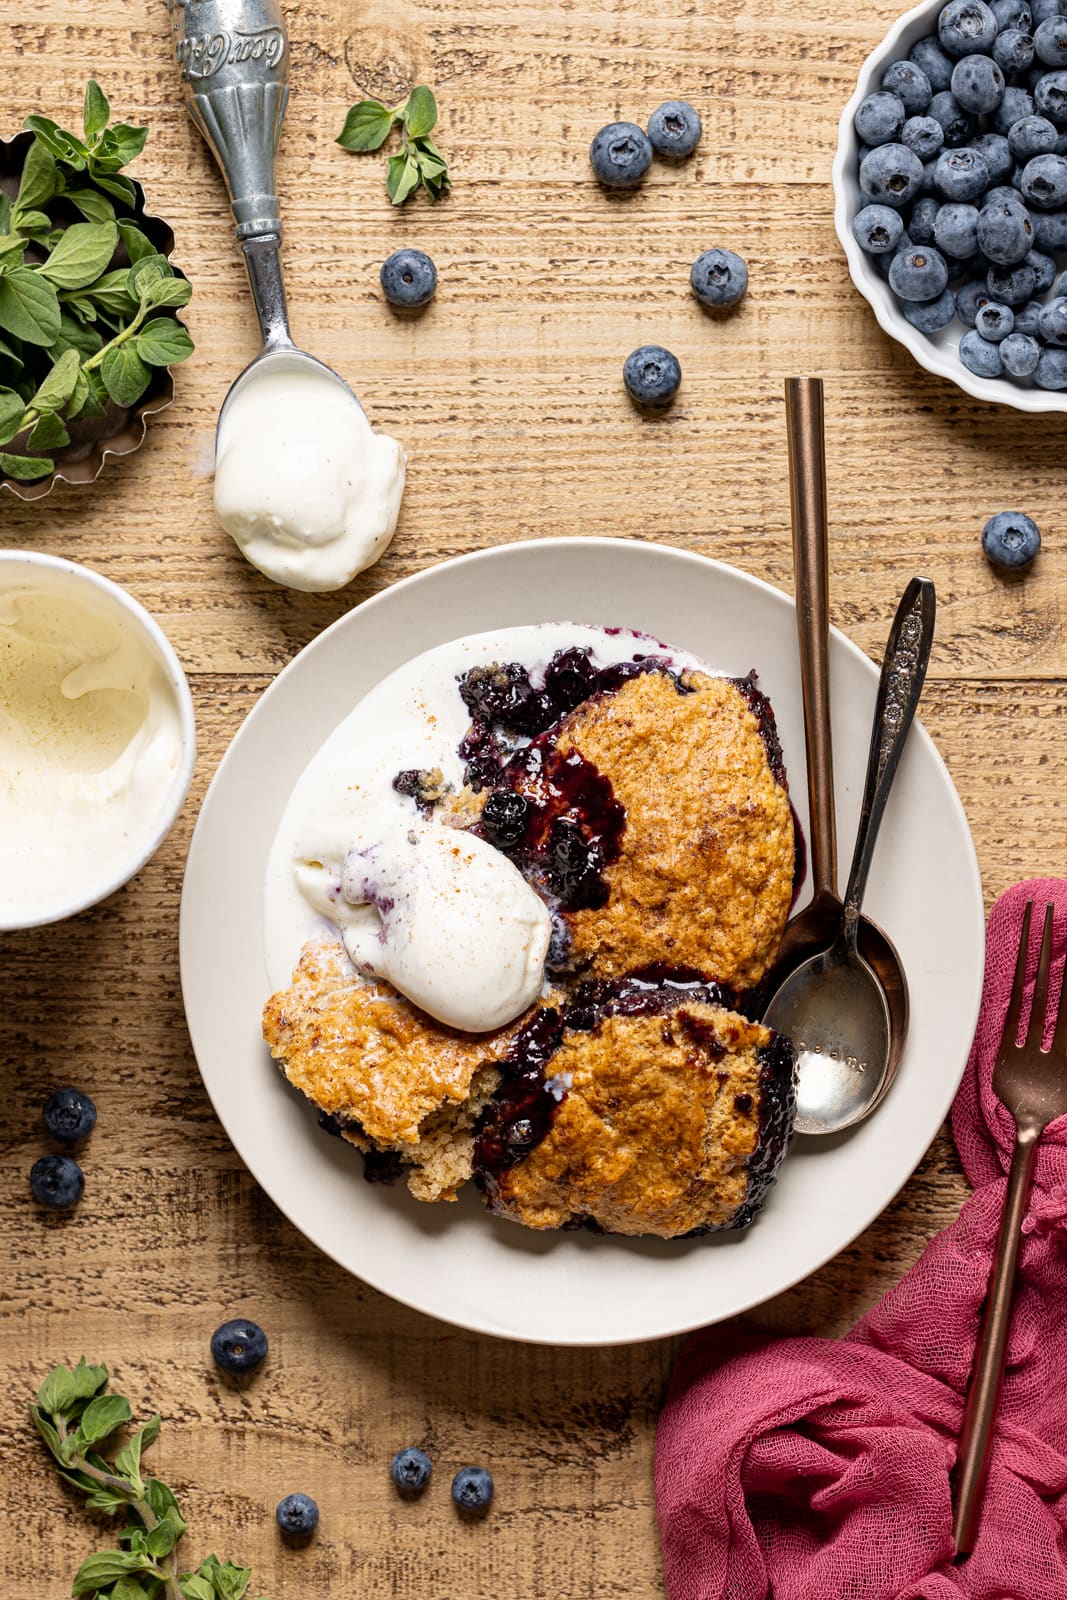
(307, 489)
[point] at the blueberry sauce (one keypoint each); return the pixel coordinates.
(379, 1166)
(523, 1109)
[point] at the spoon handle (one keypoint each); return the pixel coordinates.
(907, 655)
(807, 489)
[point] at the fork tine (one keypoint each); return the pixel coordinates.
(1035, 1028)
(1010, 1036)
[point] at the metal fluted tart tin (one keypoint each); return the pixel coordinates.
(121, 429)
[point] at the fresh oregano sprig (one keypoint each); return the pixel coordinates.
(418, 163)
(75, 328)
(77, 1417)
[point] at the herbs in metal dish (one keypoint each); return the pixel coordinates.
(81, 289)
(419, 163)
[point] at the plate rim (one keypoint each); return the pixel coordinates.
(421, 578)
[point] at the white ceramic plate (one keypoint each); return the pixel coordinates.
(455, 1261)
(939, 352)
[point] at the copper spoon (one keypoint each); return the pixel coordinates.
(815, 927)
(1032, 1083)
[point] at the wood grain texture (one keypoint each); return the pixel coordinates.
(508, 394)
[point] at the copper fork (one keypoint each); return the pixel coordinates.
(1032, 1083)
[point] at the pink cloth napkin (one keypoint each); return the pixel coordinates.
(817, 1469)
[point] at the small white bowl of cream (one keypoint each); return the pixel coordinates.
(97, 738)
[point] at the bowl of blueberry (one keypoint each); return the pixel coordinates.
(951, 194)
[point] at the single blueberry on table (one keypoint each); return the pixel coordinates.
(1050, 42)
(878, 229)
(891, 175)
(1050, 97)
(1012, 14)
(956, 124)
(911, 86)
(652, 375)
(1013, 51)
(1005, 232)
(994, 322)
(961, 174)
(57, 1182)
(930, 316)
(1044, 182)
(928, 55)
(239, 1346)
(674, 129)
(411, 1471)
(996, 153)
(879, 118)
(472, 1490)
(69, 1116)
(978, 84)
(298, 1517)
(1011, 540)
(1020, 354)
(923, 137)
(956, 231)
(979, 356)
(621, 155)
(923, 220)
(1052, 324)
(966, 27)
(408, 278)
(719, 278)
(1015, 105)
(970, 299)
(918, 274)
(1051, 370)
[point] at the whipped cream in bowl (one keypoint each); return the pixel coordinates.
(97, 738)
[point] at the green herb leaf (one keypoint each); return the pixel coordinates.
(119, 188)
(25, 469)
(163, 342)
(81, 254)
(194, 1587)
(5, 213)
(402, 178)
(129, 1588)
(106, 1500)
(137, 245)
(97, 111)
(421, 114)
(12, 250)
(48, 433)
(52, 395)
(58, 1392)
(94, 206)
(110, 293)
(367, 126)
(161, 1540)
(146, 270)
(173, 292)
(108, 1411)
(73, 335)
(14, 414)
(29, 308)
(57, 141)
(104, 1568)
(124, 143)
(125, 375)
(88, 399)
(128, 1460)
(163, 1504)
(33, 224)
(39, 182)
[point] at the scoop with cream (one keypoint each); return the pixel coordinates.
(307, 489)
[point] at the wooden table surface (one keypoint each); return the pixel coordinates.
(508, 395)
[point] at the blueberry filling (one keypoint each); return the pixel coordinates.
(523, 1109)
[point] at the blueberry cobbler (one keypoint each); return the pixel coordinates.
(539, 937)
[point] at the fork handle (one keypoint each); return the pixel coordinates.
(983, 1394)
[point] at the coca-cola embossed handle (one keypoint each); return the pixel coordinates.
(234, 62)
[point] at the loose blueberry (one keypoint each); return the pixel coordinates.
(1050, 97)
(69, 1116)
(923, 220)
(411, 1471)
(298, 1517)
(994, 322)
(570, 678)
(891, 175)
(1045, 268)
(1020, 354)
(1028, 318)
(918, 274)
(1050, 42)
(927, 54)
(472, 1490)
(911, 86)
(719, 278)
(979, 356)
(652, 375)
(1051, 370)
(1013, 286)
(239, 1346)
(1013, 51)
(1044, 182)
(57, 1182)
(1052, 324)
(1015, 105)
(970, 299)
(1012, 14)
(996, 153)
(408, 278)
(621, 155)
(930, 316)
(956, 231)
(1043, 9)
(880, 118)
(961, 174)
(978, 84)
(1005, 232)
(878, 229)
(923, 137)
(504, 818)
(1011, 540)
(956, 124)
(674, 129)
(1032, 136)
(966, 27)
(1050, 231)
